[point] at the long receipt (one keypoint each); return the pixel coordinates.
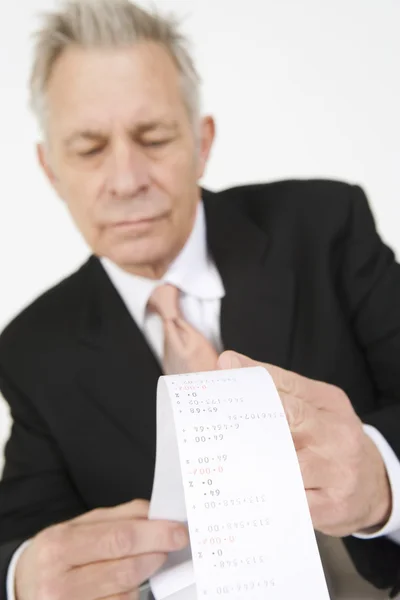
(226, 465)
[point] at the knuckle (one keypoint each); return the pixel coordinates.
(122, 540)
(353, 437)
(50, 548)
(49, 551)
(126, 576)
(98, 513)
(350, 482)
(140, 505)
(339, 395)
(162, 538)
(295, 410)
(287, 381)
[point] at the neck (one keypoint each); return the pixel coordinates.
(151, 271)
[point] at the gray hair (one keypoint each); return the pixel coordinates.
(108, 24)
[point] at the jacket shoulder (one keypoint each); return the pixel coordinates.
(308, 194)
(306, 206)
(55, 312)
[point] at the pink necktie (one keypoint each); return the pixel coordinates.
(186, 350)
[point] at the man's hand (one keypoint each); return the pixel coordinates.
(105, 554)
(343, 472)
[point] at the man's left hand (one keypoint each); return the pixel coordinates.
(345, 478)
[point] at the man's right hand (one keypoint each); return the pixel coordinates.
(105, 554)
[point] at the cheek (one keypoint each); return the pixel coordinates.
(80, 195)
(179, 169)
(177, 177)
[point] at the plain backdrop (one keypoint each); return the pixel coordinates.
(298, 88)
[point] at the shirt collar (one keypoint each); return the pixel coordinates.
(193, 271)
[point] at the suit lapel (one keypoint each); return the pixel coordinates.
(257, 310)
(119, 371)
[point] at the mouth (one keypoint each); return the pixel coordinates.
(139, 222)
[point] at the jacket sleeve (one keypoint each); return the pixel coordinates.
(35, 490)
(370, 283)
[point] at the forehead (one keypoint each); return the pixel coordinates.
(104, 87)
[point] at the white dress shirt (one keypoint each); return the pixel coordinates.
(196, 275)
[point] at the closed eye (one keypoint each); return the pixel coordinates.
(156, 143)
(91, 152)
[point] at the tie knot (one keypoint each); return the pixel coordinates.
(165, 301)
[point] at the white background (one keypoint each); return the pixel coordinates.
(299, 89)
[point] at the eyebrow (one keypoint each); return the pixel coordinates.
(98, 135)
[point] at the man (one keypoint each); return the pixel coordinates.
(292, 274)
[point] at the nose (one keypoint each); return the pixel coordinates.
(128, 171)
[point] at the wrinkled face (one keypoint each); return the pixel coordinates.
(123, 154)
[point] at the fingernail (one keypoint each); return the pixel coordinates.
(180, 537)
(229, 360)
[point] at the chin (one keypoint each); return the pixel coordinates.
(134, 255)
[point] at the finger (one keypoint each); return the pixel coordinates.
(315, 501)
(286, 382)
(325, 514)
(234, 360)
(95, 542)
(315, 392)
(319, 394)
(105, 579)
(317, 472)
(302, 418)
(292, 388)
(134, 595)
(311, 427)
(135, 509)
(321, 512)
(131, 596)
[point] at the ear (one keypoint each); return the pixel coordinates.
(42, 153)
(206, 139)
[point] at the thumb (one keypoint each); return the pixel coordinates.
(233, 360)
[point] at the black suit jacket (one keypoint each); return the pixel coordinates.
(309, 286)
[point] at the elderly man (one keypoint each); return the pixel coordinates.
(292, 274)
